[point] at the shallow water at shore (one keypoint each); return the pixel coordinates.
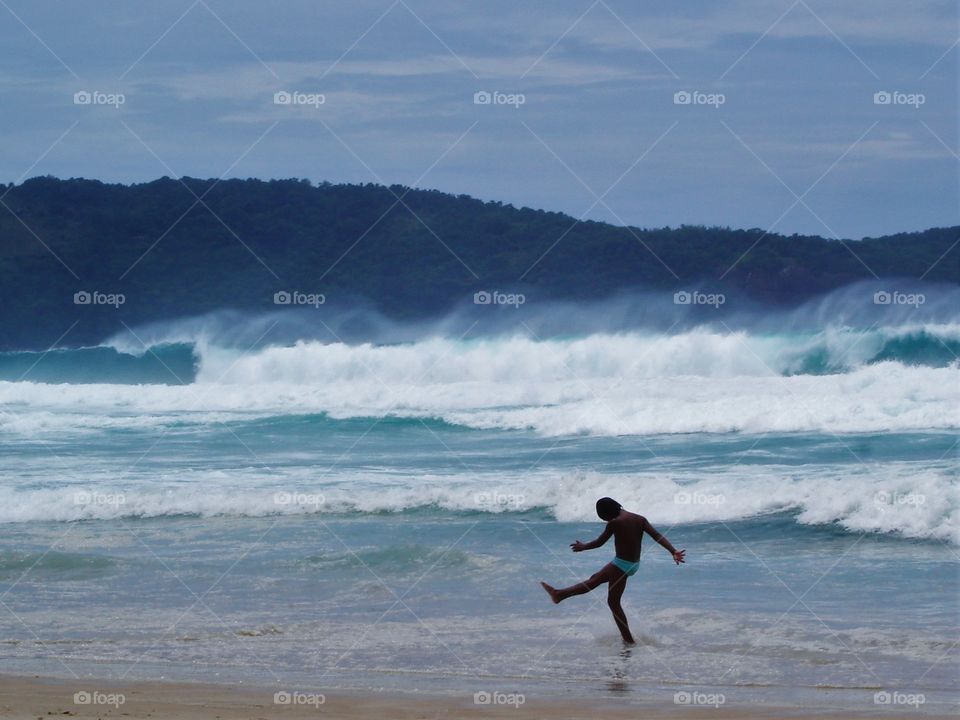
(277, 528)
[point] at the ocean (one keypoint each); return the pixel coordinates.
(322, 512)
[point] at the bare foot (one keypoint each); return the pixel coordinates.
(552, 592)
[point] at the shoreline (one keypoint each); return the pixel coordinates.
(31, 697)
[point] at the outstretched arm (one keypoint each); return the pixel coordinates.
(652, 532)
(604, 536)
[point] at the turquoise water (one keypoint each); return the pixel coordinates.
(326, 515)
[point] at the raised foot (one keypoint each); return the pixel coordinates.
(552, 592)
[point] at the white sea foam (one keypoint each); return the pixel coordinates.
(625, 384)
(900, 498)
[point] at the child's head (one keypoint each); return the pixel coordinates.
(608, 508)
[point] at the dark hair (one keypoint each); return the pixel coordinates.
(608, 508)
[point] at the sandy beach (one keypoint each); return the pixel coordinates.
(24, 698)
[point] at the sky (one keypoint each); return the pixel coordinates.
(834, 118)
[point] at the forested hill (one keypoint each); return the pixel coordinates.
(176, 248)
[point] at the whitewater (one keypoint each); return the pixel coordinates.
(621, 393)
(604, 384)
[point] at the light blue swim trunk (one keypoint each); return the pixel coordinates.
(630, 568)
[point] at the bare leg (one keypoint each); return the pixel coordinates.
(614, 593)
(551, 591)
(607, 573)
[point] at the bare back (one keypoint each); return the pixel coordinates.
(628, 529)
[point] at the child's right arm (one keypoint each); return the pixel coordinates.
(604, 536)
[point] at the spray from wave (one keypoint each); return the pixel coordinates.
(626, 384)
(748, 371)
(837, 333)
(617, 369)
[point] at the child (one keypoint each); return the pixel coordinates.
(627, 529)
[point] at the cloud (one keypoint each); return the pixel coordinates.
(399, 89)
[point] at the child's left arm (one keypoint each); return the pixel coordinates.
(678, 555)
